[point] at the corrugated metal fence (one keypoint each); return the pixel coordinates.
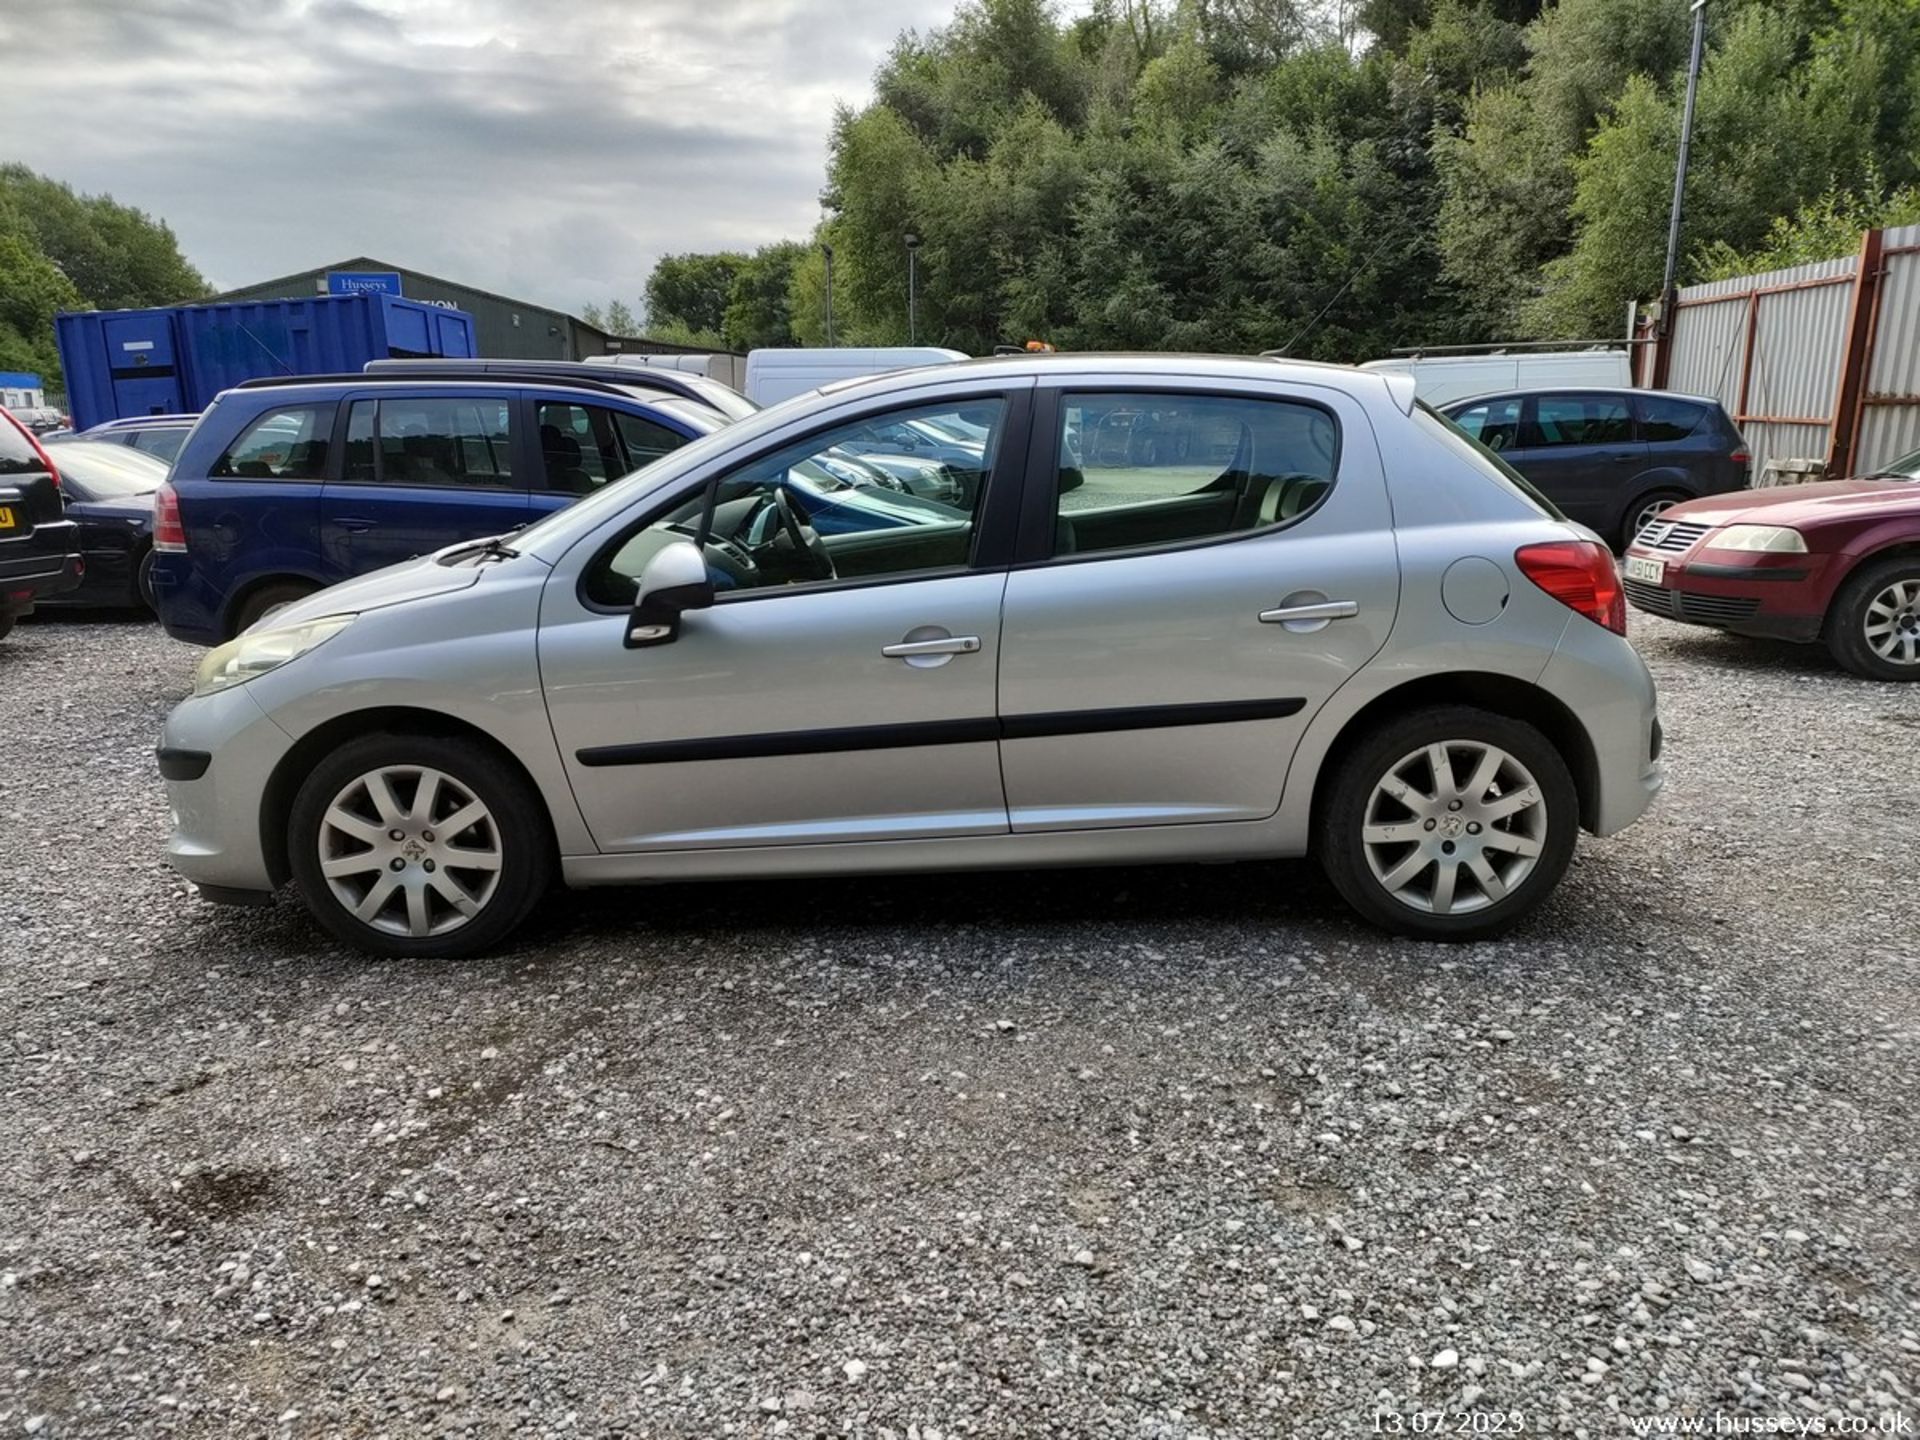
(1818, 362)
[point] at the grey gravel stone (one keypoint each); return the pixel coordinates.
(751, 1132)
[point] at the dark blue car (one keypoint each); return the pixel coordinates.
(285, 487)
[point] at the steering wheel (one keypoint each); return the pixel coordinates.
(806, 540)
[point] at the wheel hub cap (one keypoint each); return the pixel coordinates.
(410, 851)
(1892, 623)
(1454, 827)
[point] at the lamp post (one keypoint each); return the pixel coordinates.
(1680, 170)
(913, 292)
(827, 251)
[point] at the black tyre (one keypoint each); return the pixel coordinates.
(1644, 509)
(1873, 624)
(143, 579)
(264, 601)
(7, 617)
(1449, 824)
(419, 846)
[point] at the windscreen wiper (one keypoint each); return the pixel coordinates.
(490, 548)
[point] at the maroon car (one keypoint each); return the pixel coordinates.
(1837, 562)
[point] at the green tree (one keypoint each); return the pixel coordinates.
(31, 291)
(1823, 229)
(689, 294)
(116, 257)
(759, 306)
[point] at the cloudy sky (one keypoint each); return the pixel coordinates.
(548, 149)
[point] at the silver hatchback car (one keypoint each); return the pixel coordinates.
(1177, 608)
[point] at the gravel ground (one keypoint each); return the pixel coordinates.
(1144, 1153)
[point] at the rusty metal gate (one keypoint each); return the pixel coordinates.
(1820, 361)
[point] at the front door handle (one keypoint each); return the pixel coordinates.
(950, 645)
(1322, 610)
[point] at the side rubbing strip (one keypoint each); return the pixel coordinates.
(936, 732)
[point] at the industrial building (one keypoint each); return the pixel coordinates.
(504, 328)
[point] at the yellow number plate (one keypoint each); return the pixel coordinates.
(6, 517)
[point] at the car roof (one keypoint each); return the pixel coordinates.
(1147, 365)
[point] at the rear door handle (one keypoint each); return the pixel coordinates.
(1324, 610)
(353, 524)
(951, 645)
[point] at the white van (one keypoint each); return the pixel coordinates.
(776, 375)
(722, 365)
(1440, 378)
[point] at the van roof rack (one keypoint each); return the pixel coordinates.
(1502, 347)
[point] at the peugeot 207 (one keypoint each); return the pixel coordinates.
(1259, 609)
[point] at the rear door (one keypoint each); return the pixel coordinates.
(1579, 448)
(422, 471)
(33, 541)
(1201, 569)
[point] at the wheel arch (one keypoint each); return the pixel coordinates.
(276, 805)
(235, 598)
(1501, 695)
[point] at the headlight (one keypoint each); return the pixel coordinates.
(1775, 539)
(259, 651)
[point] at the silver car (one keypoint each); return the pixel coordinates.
(1295, 611)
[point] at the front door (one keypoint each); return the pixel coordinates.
(1209, 569)
(422, 472)
(842, 687)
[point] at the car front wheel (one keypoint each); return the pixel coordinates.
(1449, 824)
(418, 846)
(1873, 626)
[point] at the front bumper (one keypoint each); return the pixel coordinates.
(1774, 596)
(229, 748)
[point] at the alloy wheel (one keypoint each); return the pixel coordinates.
(410, 851)
(1649, 513)
(1892, 623)
(1454, 827)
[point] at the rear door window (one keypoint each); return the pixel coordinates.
(578, 448)
(286, 444)
(1141, 469)
(452, 442)
(1579, 420)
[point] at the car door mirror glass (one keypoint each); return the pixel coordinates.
(674, 581)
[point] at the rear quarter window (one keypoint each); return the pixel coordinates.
(1665, 419)
(1463, 444)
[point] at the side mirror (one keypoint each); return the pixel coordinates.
(675, 580)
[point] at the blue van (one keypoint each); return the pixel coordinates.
(286, 486)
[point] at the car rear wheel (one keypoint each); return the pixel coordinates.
(7, 617)
(267, 599)
(1643, 511)
(1873, 625)
(418, 846)
(1449, 824)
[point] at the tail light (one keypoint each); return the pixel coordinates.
(1580, 575)
(168, 532)
(1741, 457)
